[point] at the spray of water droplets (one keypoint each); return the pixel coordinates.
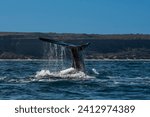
(55, 57)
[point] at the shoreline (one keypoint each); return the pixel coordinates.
(85, 60)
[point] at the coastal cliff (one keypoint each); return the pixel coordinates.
(17, 45)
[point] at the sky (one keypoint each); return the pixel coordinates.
(75, 16)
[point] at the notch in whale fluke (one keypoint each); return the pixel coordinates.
(78, 61)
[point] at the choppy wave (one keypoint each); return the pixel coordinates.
(102, 80)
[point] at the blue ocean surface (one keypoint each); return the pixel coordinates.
(106, 80)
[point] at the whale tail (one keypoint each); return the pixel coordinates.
(76, 51)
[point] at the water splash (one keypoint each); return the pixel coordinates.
(47, 74)
(59, 67)
(95, 71)
(57, 54)
(42, 73)
(63, 57)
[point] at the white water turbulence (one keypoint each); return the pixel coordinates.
(67, 73)
(95, 71)
(57, 64)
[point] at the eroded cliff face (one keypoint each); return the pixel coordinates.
(27, 45)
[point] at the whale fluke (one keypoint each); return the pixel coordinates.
(76, 51)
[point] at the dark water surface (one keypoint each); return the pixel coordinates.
(116, 80)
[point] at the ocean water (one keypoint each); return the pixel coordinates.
(103, 80)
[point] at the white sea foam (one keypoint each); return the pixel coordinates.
(68, 73)
(2, 78)
(95, 71)
(42, 73)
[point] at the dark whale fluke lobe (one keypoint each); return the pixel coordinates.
(76, 51)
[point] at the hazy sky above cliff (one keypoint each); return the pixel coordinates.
(75, 16)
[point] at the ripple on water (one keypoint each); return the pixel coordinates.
(108, 80)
